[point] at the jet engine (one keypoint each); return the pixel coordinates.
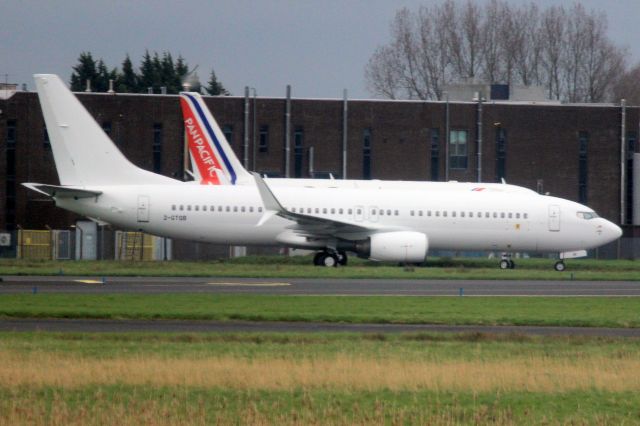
(398, 246)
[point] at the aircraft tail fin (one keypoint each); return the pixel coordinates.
(214, 161)
(83, 153)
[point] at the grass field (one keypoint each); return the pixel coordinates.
(552, 311)
(300, 267)
(317, 379)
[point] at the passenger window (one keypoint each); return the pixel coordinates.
(189, 208)
(259, 209)
(487, 215)
(340, 211)
(470, 214)
(437, 213)
(411, 213)
(461, 214)
(510, 215)
(444, 213)
(428, 213)
(517, 215)
(204, 208)
(173, 207)
(219, 208)
(324, 210)
(251, 209)
(388, 212)
(453, 213)
(359, 211)
(420, 213)
(396, 213)
(181, 207)
(526, 215)
(495, 215)
(333, 211)
(212, 208)
(196, 208)
(502, 215)
(228, 209)
(317, 210)
(242, 209)
(381, 212)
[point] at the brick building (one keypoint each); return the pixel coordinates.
(571, 151)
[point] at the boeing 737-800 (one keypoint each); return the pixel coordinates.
(398, 223)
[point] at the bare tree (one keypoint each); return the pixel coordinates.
(568, 52)
(626, 86)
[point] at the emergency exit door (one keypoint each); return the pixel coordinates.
(554, 218)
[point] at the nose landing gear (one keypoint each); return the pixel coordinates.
(559, 266)
(506, 262)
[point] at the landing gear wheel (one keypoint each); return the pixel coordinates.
(342, 258)
(505, 264)
(559, 266)
(512, 264)
(317, 259)
(330, 260)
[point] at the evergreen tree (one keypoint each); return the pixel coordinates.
(147, 73)
(83, 71)
(128, 80)
(214, 87)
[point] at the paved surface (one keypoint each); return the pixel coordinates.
(151, 285)
(93, 325)
(361, 287)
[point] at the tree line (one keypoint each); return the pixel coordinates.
(155, 71)
(565, 50)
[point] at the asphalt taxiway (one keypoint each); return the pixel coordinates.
(306, 286)
(302, 287)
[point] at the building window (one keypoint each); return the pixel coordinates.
(45, 139)
(106, 127)
(501, 153)
(458, 149)
(366, 154)
(298, 151)
(583, 142)
(435, 154)
(632, 139)
(10, 183)
(263, 144)
(157, 147)
(227, 130)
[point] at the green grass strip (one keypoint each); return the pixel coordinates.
(300, 267)
(549, 311)
(179, 405)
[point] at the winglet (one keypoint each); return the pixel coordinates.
(271, 204)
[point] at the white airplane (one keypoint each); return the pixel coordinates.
(390, 224)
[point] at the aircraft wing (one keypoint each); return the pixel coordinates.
(312, 226)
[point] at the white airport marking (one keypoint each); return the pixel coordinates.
(250, 284)
(88, 281)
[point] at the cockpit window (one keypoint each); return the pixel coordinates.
(587, 215)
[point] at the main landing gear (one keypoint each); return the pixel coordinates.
(506, 262)
(330, 258)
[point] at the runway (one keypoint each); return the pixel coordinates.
(296, 286)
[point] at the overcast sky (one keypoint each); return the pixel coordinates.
(319, 47)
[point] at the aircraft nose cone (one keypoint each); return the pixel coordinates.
(612, 231)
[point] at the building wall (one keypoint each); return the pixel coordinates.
(542, 143)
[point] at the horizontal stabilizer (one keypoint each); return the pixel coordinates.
(62, 191)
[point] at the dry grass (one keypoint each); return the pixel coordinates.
(534, 374)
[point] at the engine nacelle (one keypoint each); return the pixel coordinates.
(398, 246)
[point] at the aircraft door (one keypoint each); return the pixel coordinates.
(554, 218)
(143, 208)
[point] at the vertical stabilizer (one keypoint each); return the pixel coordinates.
(214, 161)
(83, 153)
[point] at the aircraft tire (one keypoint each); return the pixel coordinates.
(318, 258)
(560, 266)
(504, 264)
(342, 258)
(330, 260)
